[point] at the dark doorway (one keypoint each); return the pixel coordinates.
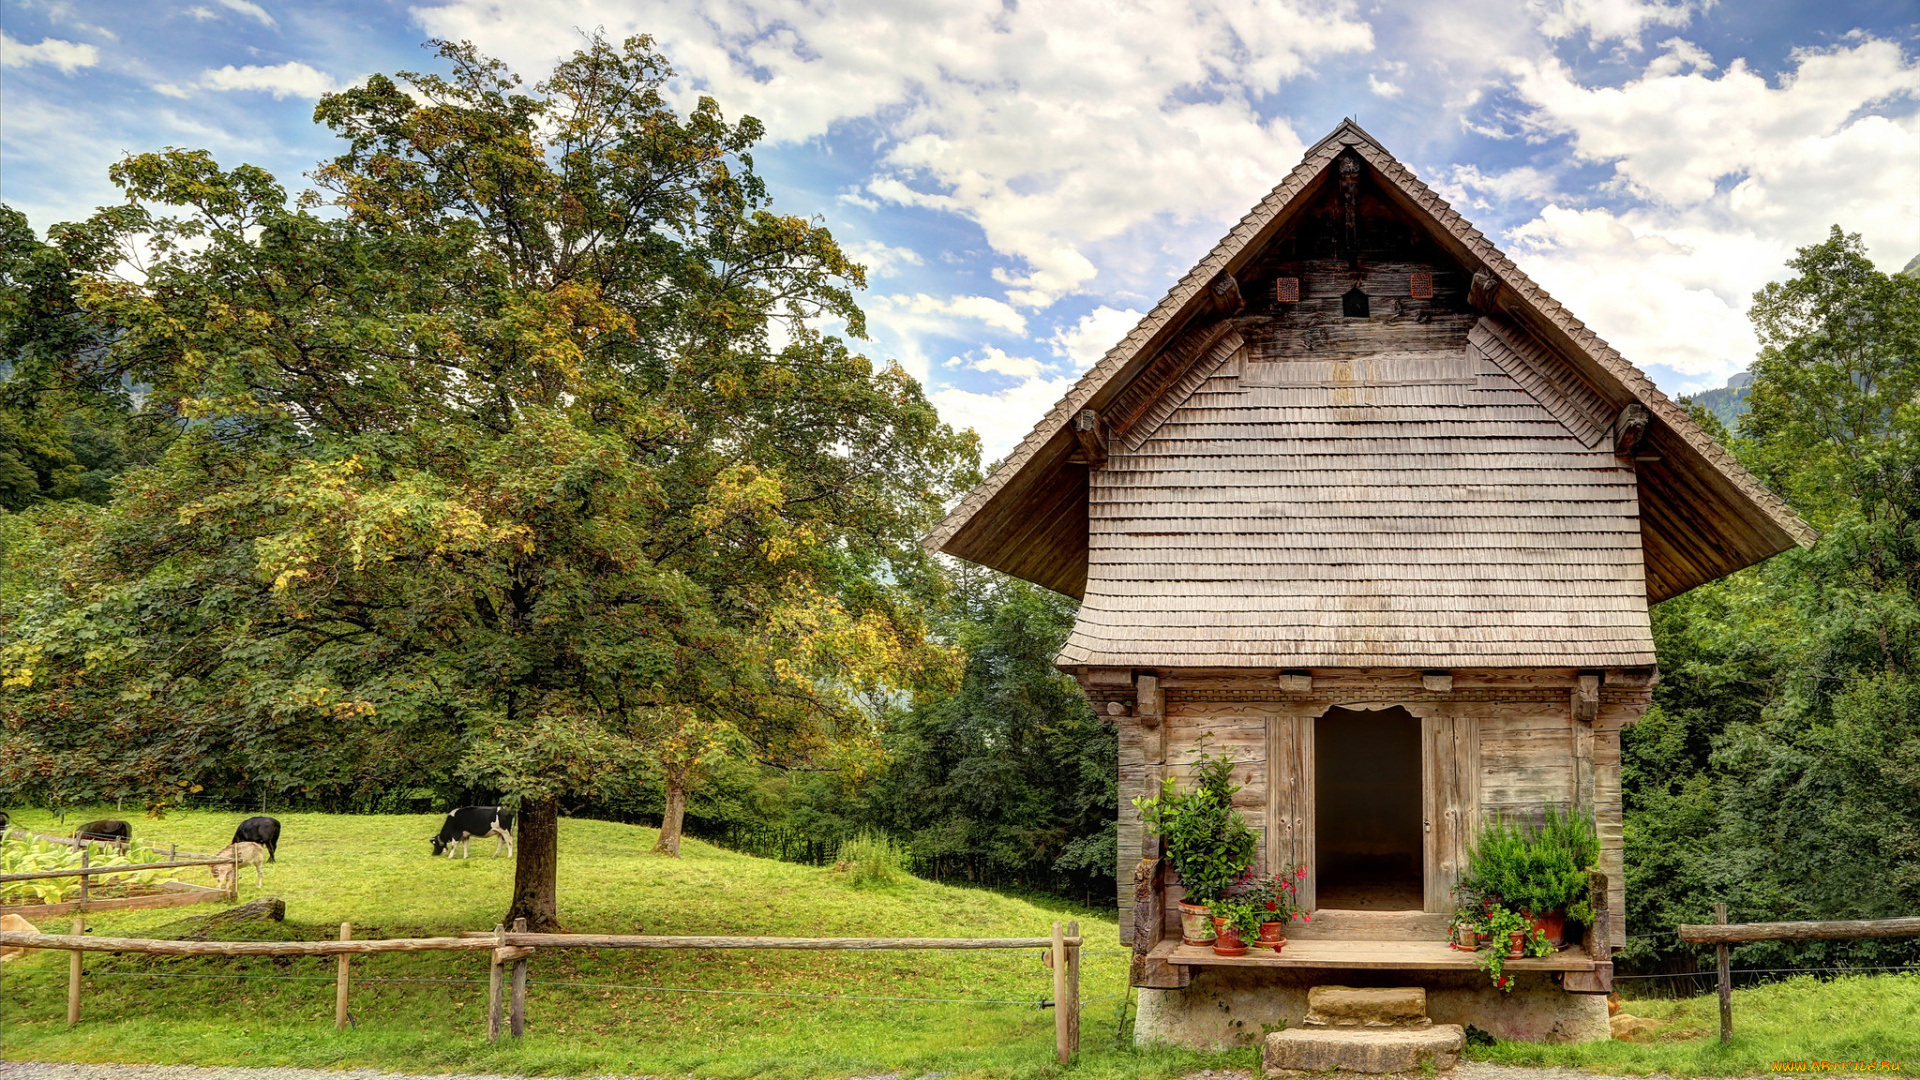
(1368, 832)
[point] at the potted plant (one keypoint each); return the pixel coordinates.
(1469, 914)
(1207, 843)
(1540, 871)
(1235, 922)
(1276, 901)
(1510, 937)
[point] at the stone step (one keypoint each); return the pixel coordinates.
(1391, 1050)
(1367, 1007)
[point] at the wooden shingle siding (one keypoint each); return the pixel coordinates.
(1374, 491)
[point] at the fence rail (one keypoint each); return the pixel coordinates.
(1722, 935)
(89, 870)
(511, 949)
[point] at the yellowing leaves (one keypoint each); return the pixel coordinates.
(331, 518)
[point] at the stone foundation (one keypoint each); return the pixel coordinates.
(1229, 1007)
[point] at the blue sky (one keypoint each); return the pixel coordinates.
(1024, 178)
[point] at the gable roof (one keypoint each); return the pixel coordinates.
(1701, 514)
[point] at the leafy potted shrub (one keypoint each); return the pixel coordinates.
(1510, 936)
(1236, 921)
(1469, 914)
(1208, 844)
(1275, 901)
(1540, 871)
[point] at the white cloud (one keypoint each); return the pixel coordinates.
(901, 323)
(249, 9)
(1086, 341)
(1716, 179)
(291, 79)
(996, 361)
(881, 260)
(1612, 20)
(68, 56)
(1001, 417)
(1055, 127)
(1383, 87)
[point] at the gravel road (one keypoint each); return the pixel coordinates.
(32, 1070)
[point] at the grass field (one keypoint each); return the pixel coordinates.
(629, 1011)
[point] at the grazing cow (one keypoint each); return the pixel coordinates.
(106, 831)
(470, 821)
(243, 853)
(264, 831)
(17, 925)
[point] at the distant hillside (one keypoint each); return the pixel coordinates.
(1729, 402)
(1912, 267)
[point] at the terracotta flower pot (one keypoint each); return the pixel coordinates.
(1226, 940)
(1466, 937)
(1516, 944)
(1553, 924)
(1273, 935)
(1196, 924)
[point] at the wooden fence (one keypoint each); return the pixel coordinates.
(87, 872)
(508, 989)
(1722, 935)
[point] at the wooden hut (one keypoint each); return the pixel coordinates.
(1359, 504)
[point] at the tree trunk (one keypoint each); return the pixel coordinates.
(535, 864)
(675, 815)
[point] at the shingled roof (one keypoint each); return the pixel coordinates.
(1231, 456)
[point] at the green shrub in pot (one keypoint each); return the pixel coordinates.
(1207, 843)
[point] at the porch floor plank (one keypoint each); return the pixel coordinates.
(1385, 955)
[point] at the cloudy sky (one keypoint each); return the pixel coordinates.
(1024, 177)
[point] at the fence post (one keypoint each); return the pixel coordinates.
(1059, 964)
(518, 1018)
(1724, 961)
(1073, 990)
(340, 981)
(494, 978)
(86, 879)
(73, 974)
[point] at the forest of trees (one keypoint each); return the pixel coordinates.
(511, 464)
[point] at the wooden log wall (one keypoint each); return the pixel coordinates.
(1496, 744)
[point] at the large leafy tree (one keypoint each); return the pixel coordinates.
(517, 446)
(1780, 767)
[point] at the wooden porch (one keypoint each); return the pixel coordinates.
(1375, 955)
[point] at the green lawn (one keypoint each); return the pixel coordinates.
(592, 1011)
(376, 872)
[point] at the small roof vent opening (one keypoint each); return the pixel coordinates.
(1353, 303)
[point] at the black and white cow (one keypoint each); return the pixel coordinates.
(468, 822)
(106, 831)
(264, 831)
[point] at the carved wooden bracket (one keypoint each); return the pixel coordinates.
(1298, 682)
(1439, 682)
(1225, 294)
(1586, 699)
(1630, 428)
(1092, 436)
(1483, 292)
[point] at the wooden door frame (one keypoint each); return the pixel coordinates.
(1447, 824)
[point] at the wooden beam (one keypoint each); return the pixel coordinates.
(1586, 699)
(1722, 961)
(1484, 292)
(1224, 293)
(1350, 209)
(1091, 436)
(1827, 930)
(1630, 427)
(1438, 682)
